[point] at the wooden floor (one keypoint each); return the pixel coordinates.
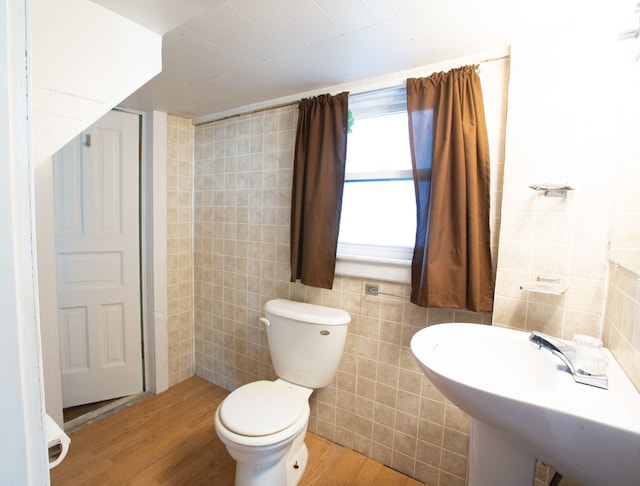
(170, 439)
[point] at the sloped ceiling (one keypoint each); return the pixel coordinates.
(219, 55)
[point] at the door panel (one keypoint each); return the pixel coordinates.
(97, 261)
(73, 324)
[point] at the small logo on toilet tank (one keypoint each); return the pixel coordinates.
(324, 332)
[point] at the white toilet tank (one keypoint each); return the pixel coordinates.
(306, 341)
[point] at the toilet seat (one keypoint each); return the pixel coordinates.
(261, 408)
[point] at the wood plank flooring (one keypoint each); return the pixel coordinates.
(170, 439)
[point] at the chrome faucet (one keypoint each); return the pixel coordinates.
(567, 353)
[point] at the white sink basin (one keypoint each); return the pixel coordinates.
(525, 405)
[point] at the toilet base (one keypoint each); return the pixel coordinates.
(286, 472)
(296, 460)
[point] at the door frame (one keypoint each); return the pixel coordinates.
(153, 247)
(153, 277)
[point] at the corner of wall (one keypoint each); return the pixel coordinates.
(622, 320)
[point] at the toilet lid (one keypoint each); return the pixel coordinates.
(261, 408)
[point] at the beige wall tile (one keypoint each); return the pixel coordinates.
(622, 320)
(180, 259)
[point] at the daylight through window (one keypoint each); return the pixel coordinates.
(378, 209)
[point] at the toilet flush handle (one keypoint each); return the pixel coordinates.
(265, 321)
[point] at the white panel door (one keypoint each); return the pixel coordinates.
(98, 261)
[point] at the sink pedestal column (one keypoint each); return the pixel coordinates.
(493, 460)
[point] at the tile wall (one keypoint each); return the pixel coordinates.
(622, 317)
(380, 404)
(622, 320)
(552, 138)
(179, 248)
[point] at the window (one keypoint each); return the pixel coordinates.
(378, 221)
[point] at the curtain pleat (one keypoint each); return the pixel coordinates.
(451, 264)
(318, 181)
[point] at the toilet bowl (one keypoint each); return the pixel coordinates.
(263, 425)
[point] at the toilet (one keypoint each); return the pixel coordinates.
(263, 424)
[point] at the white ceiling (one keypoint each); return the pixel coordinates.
(219, 55)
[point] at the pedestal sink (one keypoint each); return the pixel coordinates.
(524, 405)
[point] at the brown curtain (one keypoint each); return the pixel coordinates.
(452, 260)
(318, 180)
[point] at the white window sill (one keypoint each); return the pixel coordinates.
(375, 268)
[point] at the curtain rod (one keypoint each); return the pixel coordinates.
(290, 103)
(492, 59)
(484, 61)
